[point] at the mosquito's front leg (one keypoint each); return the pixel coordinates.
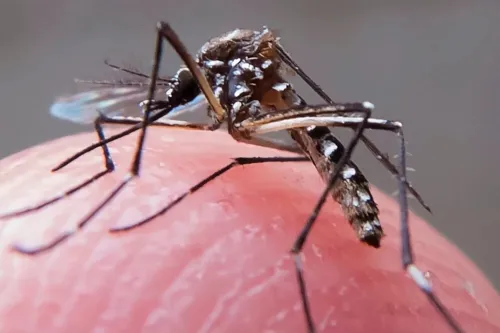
(30, 250)
(108, 161)
(164, 31)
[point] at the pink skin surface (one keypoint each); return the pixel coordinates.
(218, 261)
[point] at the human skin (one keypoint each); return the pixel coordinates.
(219, 260)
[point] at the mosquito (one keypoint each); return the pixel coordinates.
(239, 76)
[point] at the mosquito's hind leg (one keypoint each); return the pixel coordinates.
(297, 118)
(109, 167)
(236, 162)
(300, 117)
(386, 162)
(301, 238)
(408, 259)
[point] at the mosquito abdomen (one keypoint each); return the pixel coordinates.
(352, 191)
(353, 194)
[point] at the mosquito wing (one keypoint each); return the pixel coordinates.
(85, 107)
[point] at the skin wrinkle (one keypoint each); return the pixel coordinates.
(52, 266)
(13, 293)
(193, 265)
(324, 322)
(208, 254)
(278, 274)
(75, 296)
(41, 295)
(255, 290)
(281, 315)
(91, 263)
(123, 293)
(219, 307)
(166, 248)
(72, 302)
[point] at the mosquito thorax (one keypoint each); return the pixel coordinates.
(238, 43)
(244, 70)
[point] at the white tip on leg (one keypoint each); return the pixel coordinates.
(368, 105)
(418, 276)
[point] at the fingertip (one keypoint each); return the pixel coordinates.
(219, 260)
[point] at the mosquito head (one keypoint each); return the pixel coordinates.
(185, 82)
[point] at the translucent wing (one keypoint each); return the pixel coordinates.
(85, 107)
(198, 103)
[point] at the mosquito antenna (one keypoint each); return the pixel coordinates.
(121, 82)
(133, 72)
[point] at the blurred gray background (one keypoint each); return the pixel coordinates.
(434, 64)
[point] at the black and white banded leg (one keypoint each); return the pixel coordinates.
(163, 31)
(285, 56)
(108, 161)
(297, 118)
(236, 162)
(109, 167)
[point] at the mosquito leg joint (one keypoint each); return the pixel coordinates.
(418, 276)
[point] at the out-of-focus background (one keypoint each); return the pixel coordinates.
(435, 65)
